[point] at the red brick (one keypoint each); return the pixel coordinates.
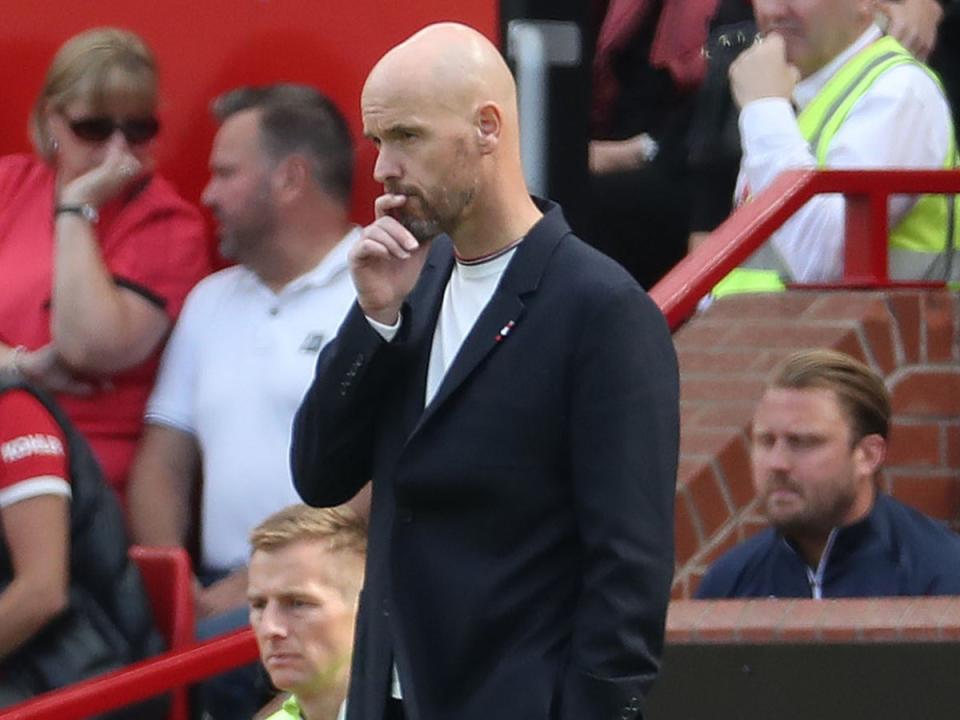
(762, 621)
(880, 339)
(679, 590)
(700, 442)
(725, 415)
(935, 493)
(842, 620)
(953, 447)
(793, 336)
(688, 467)
(685, 535)
(699, 333)
(734, 461)
(883, 621)
(721, 621)
(843, 305)
(740, 308)
(689, 414)
(938, 316)
(915, 444)
(950, 620)
(683, 617)
(802, 623)
(920, 391)
(708, 501)
(906, 312)
(719, 360)
(921, 619)
(720, 389)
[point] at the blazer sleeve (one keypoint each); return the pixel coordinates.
(624, 446)
(331, 454)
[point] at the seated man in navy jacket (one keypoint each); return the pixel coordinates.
(819, 439)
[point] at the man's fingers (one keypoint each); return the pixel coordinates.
(387, 202)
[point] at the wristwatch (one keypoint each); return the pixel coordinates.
(85, 210)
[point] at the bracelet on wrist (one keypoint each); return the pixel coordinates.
(85, 210)
(13, 359)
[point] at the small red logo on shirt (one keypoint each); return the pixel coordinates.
(29, 445)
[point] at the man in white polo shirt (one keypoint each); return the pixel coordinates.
(244, 350)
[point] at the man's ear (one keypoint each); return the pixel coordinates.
(489, 124)
(290, 177)
(870, 453)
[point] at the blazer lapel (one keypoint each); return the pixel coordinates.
(422, 310)
(503, 314)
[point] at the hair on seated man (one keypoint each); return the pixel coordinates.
(305, 575)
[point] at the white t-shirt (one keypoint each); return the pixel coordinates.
(233, 374)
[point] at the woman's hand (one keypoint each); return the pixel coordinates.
(106, 180)
(44, 367)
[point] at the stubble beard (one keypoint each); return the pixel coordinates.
(809, 519)
(238, 238)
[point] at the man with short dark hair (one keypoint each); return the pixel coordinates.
(242, 353)
(819, 439)
(306, 571)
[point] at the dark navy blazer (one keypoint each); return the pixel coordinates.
(521, 536)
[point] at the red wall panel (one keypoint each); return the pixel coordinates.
(207, 46)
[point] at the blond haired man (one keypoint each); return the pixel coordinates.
(304, 579)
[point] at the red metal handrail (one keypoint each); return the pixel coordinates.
(865, 252)
(139, 681)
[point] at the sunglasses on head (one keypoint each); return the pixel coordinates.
(97, 129)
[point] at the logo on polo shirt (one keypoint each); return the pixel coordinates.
(29, 445)
(312, 343)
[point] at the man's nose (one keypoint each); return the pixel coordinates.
(207, 196)
(272, 621)
(386, 167)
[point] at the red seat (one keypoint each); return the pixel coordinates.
(168, 579)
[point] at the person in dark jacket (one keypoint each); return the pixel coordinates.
(819, 439)
(73, 605)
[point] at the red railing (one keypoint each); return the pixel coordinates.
(139, 681)
(865, 252)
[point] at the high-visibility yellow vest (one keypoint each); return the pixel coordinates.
(920, 243)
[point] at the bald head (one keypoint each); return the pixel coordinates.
(449, 65)
(441, 108)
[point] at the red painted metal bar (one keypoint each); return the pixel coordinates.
(139, 681)
(744, 231)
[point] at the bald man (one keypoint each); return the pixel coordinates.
(513, 395)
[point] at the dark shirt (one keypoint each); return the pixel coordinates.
(894, 551)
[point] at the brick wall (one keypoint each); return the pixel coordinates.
(814, 621)
(909, 336)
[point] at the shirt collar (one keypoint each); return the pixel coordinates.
(809, 87)
(333, 264)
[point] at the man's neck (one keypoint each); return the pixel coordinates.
(494, 225)
(293, 253)
(324, 704)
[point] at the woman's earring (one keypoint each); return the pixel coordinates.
(54, 146)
